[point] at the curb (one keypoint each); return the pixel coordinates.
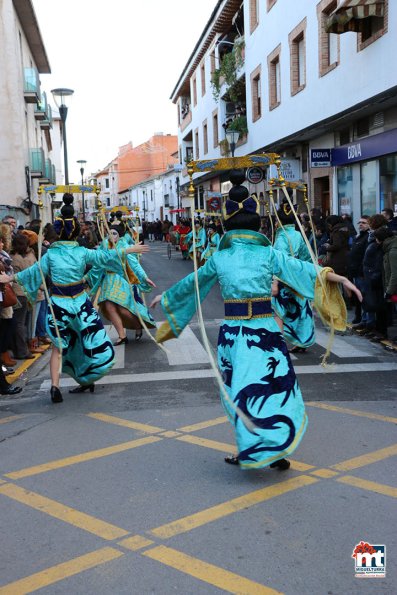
(25, 365)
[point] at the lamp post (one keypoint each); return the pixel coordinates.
(82, 163)
(60, 97)
(232, 138)
(144, 204)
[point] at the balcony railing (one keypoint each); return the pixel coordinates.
(31, 86)
(53, 174)
(46, 123)
(37, 163)
(48, 170)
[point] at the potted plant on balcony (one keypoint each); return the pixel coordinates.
(224, 147)
(228, 69)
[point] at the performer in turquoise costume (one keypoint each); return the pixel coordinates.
(200, 237)
(213, 242)
(293, 310)
(252, 354)
(118, 302)
(87, 352)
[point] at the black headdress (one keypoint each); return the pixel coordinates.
(67, 227)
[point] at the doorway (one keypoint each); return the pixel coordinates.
(322, 195)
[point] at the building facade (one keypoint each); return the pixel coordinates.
(294, 78)
(30, 140)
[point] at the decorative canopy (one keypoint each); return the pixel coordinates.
(350, 15)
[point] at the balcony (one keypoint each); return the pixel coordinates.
(186, 120)
(43, 113)
(53, 175)
(31, 85)
(37, 163)
(46, 123)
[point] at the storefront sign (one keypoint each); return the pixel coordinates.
(255, 175)
(320, 157)
(290, 170)
(366, 148)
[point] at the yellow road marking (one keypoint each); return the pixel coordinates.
(214, 444)
(59, 572)
(136, 542)
(24, 366)
(300, 466)
(230, 507)
(62, 512)
(324, 473)
(223, 579)
(204, 424)
(126, 423)
(372, 486)
(87, 456)
(363, 460)
(353, 412)
(6, 420)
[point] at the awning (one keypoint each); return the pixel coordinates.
(350, 15)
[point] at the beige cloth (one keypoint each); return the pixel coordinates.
(20, 263)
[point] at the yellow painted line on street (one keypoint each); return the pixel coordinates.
(372, 486)
(86, 456)
(170, 434)
(353, 412)
(213, 575)
(324, 473)
(136, 542)
(57, 573)
(6, 420)
(368, 459)
(204, 424)
(126, 423)
(231, 506)
(25, 365)
(300, 466)
(214, 444)
(62, 512)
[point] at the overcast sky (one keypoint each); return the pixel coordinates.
(122, 59)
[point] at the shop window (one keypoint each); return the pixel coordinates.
(388, 182)
(345, 190)
(368, 187)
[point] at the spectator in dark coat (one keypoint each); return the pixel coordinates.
(338, 246)
(388, 242)
(355, 267)
(391, 220)
(373, 301)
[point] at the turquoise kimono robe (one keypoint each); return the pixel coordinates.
(87, 352)
(212, 246)
(252, 354)
(294, 310)
(200, 237)
(114, 287)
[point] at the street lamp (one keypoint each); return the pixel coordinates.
(82, 163)
(232, 138)
(61, 100)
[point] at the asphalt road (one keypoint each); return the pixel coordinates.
(125, 490)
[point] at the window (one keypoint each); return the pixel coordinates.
(328, 43)
(205, 137)
(212, 61)
(256, 94)
(189, 154)
(106, 182)
(368, 187)
(345, 190)
(196, 144)
(202, 71)
(273, 61)
(254, 15)
(297, 45)
(362, 128)
(373, 28)
(388, 182)
(215, 128)
(194, 85)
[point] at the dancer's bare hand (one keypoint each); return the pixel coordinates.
(155, 301)
(138, 249)
(5, 278)
(351, 288)
(150, 282)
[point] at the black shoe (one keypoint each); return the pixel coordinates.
(281, 464)
(232, 460)
(297, 349)
(56, 395)
(10, 390)
(356, 320)
(138, 335)
(120, 341)
(82, 388)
